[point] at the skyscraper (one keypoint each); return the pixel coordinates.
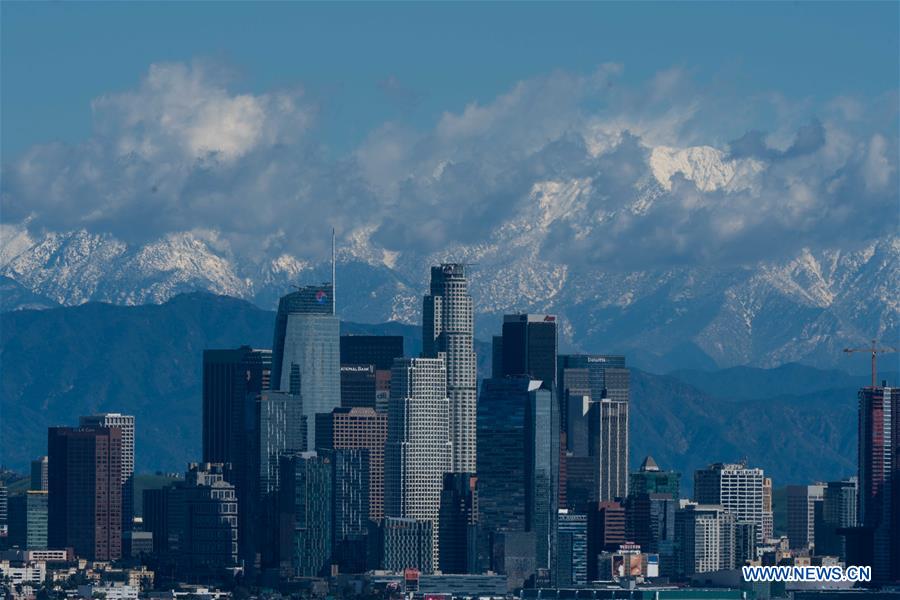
(802, 501)
(307, 335)
(839, 503)
(650, 479)
(879, 478)
(737, 488)
(518, 461)
(418, 448)
(529, 347)
(570, 569)
(349, 493)
(358, 387)
(459, 523)
(597, 366)
(39, 474)
(305, 509)
(28, 520)
(408, 544)
(85, 491)
(233, 379)
(706, 539)
(650, 523)
(610, 444)
(376, 350)
(362, 428)
(126, 424)
(447, 327)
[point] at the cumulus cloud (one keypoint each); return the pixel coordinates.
(649, 179)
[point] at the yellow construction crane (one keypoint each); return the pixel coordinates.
(875, 350)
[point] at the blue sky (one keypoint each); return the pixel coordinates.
(690, 133)
(57, 57)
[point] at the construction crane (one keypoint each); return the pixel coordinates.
(875, 350)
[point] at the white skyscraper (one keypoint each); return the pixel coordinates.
(418, 448)
(126, 424)
(447, 327)
(738, 488)
(611, 449)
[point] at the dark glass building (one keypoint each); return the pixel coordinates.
(376, 350)
(305, 510)
(84, 509)
(529, 347)
(649, 479)
(459, 524)
(358, 386)
(571, 556)
(597, 366)
(28, 520)
(349, 506)
(518, 461)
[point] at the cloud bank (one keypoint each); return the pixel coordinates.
(668, 172)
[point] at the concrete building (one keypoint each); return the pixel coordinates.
(125, 423)
(28, 520)
(737, 488)
(408, 544)
(802, 503)
(705, 535)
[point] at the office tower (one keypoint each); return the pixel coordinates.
(447, 327)
(349, 494)
(233, 379)
(575, 408)
(376, 350)
(879, 505)
(39, 474)
(597, 366)
(529, 347)
(581, 480)
(496, 357)
(307, 335)
(606, 531)
(650, 523)
(28, 520)
(801, 513)
(611, 449)
(84, 480)
(768, 518)
(194, 522)
(838, 512)
(744, 542)
(705, 535)
(418, 447)
(4, 509)
(459, 523)
(618, 383)
(649, 479)
(518, 460)
(363, 428)
(571, 556)
(358, 387)
(305, 509)
(280, 427)
(408, 544)
(737, 488)
(126, 424)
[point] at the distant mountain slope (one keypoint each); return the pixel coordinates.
(60, 363)
(14, 296)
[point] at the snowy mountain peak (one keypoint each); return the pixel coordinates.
(708, 167)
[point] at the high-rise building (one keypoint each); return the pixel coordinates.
(39, 474)
(349, 493)
(85, 491)
(457, 535)
(376, 350)
(4, 509)
(606, 531)
(650, 523)
(362, 428)
(768, 518)
(518, 461)
(408, 544)
(307, 335)
(125, 423)
(597, 366)
(879, 480)
(233, 379)
(305, 509)
(280, 427)
(447, 328)
(194, 522)
(610, 445)
(744, 542)
(737, 488)
(358, 386)
(28, 520)
(575, 406)
(418, 447)
(802, 501)
(529, 347)
(571, 555)
(650, 479)
(705, 535)
(838, 512)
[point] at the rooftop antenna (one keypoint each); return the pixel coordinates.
(333, 280)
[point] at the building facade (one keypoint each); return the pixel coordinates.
(571, 556)
(458, 528)
(125, 423)
(408, 544)
(737, 488)
(706, 542)
(305, 514)
(447, 328)
(418, 449)
(529, 347)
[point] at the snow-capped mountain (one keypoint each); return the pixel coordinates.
(802, 309)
